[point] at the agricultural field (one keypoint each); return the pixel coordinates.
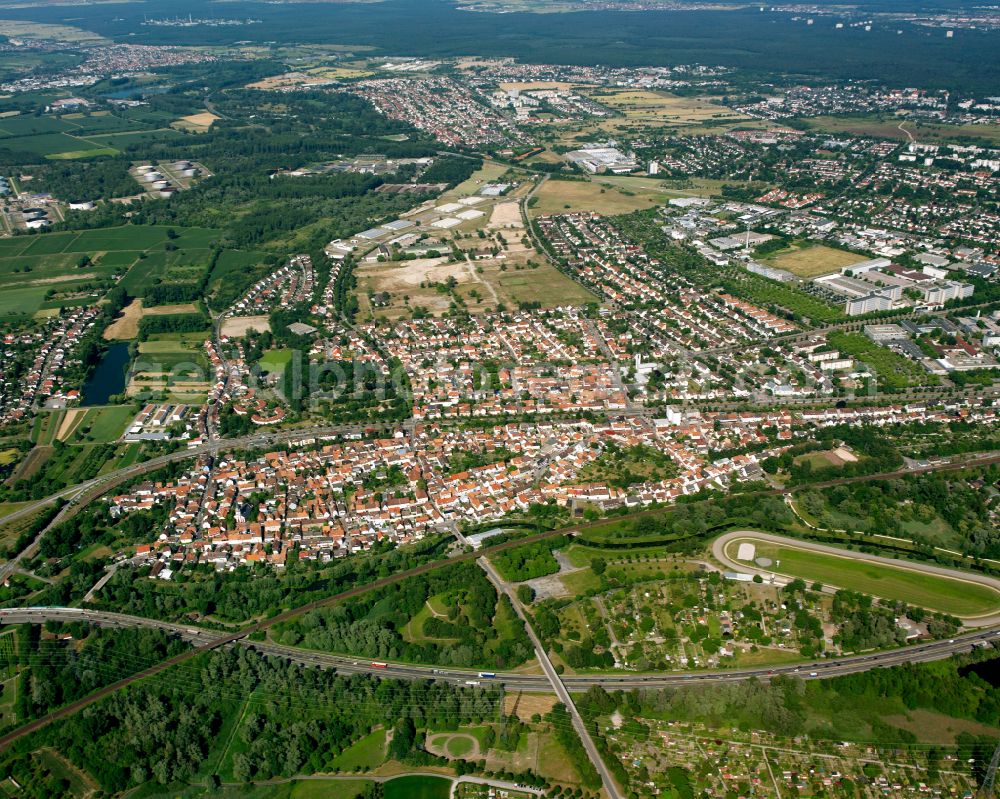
(894, 128)
(903, 583)
(126, 326)
(26, 29)
(562, 196)
(124, 140)
(46, 427)
(97, 425)
(182, 262)
(171, 366)
(812, 261)
(44, 271)
(56, 146)
(196, 123)
(80, 135)
(233, 262)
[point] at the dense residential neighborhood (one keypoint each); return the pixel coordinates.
(498, 399)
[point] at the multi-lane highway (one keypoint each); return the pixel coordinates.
(80, 494)
(828, 667)
(555, 681)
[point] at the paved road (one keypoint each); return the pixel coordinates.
(82, 493)
(455, 781)
(79, 495)
(273, 438)
(610, 787)
(535, 683)
(720, 544)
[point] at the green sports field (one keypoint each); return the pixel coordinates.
(907, 584)
(418, 787)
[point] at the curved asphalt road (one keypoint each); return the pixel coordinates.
(720, 544)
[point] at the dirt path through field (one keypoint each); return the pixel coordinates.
(69, 422)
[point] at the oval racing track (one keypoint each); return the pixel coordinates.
(720, 544)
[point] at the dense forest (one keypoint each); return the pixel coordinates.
(529, 561)
(291, 719)
(63, 662)
(742, 37)
(452, 616)
(255, 590)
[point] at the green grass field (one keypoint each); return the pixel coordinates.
(459, 746)
(369, 752)
(56, 145)
(418, 787)
(812, 261)
(276, 360)
(934, 592)
(102, 424)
